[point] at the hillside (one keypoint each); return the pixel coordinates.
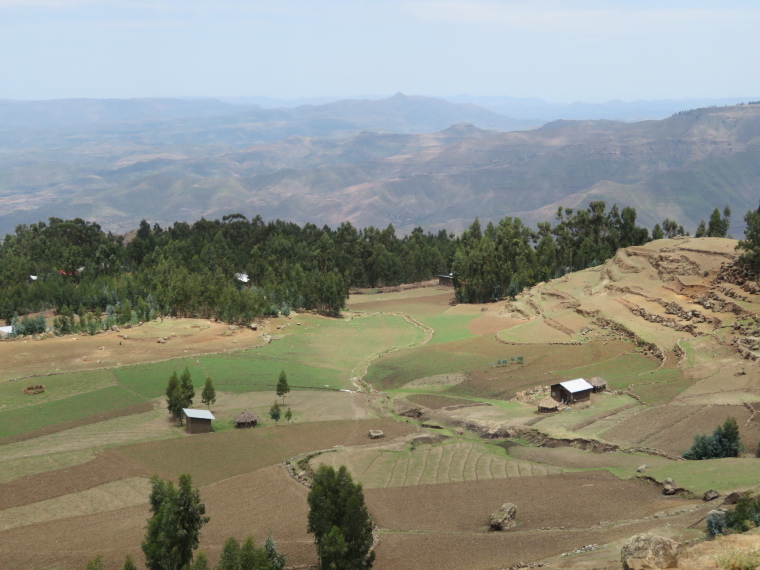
(312, 164)
(672, 326)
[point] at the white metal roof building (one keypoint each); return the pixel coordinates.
(200, 414)
(197, 421)
(571, 391)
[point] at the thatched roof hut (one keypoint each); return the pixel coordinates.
(599, 383)
(547, 405)
(246, 419)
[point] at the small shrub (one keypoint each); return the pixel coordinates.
(716, 523)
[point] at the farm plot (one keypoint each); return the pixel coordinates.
(638, 428)
(20, 420)
(425, 465)
(582, 422)
(678, 437)
(571, 500)
(217, 456)
(621, 464)
(150, 380)
(535, 331)
(723, 475)
(619, 371)
(309, 356)
(435, 401)
(417, 302)
(57, 387)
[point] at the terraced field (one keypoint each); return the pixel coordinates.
(430, 464)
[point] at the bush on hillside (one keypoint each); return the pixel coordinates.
(724, 442)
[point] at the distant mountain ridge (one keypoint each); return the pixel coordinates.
(680, 167)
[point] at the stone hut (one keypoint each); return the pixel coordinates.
(246, 419)
(572, 391)
(599, 384)
(547, 405)
(197, 421)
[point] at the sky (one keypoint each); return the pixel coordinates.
(558, 50)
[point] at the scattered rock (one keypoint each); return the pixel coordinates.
(642, 468)
(101, 348)
(114, 328)
(711, 495)
(161, 341)
(670, 487)
(504, 518)
(254, 326)
(459, 431)
(733, 498)
(649, 551)
(233, 328)
(376, 434)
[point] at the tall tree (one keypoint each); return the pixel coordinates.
(750, 245)
(208, 395)
(339, 520)
(282, 385)
(274, 412)
(173, 530)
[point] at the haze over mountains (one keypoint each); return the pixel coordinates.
(403, 160)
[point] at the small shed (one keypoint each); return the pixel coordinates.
(197, 421)
(572, 391)
(246, 419)
(547, 405)
(599, 383)
(446, 280)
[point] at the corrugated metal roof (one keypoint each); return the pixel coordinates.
(200, 414)
(577, 385)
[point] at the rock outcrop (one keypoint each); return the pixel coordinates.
(504, 518)
(649, 552)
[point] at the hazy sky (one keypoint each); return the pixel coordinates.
(560, 50)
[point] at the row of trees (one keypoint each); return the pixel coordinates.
(237, 269)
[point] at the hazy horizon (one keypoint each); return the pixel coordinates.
(562, 52)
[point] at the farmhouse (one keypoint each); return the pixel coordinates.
(197, 421)
(599, 384)
(572, 391)
(446, 280)
(246, 419)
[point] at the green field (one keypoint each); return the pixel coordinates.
(21, 420)
(150, 380)
(619, 372)
(448, 328)
(722, 475)
(57, 387)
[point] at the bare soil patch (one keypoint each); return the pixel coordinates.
(572, 500)
(27, 357)
(491, 324)
(106, 467)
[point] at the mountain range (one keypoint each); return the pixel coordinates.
(409, 161)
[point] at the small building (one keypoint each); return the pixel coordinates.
(197, 421)
(572, 391)
(6, 331)
(547, 405)
(246, 419)
(599, 384)
(446, 280)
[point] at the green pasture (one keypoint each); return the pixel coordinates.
(57, 387)
(21, 420)
(729, 474)
(619, 372)
(448, 328)
(15, 468)
(429, 464)
(150, 380)
(398, 368)
(323, 355)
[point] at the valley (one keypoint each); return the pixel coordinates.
(670, 325)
